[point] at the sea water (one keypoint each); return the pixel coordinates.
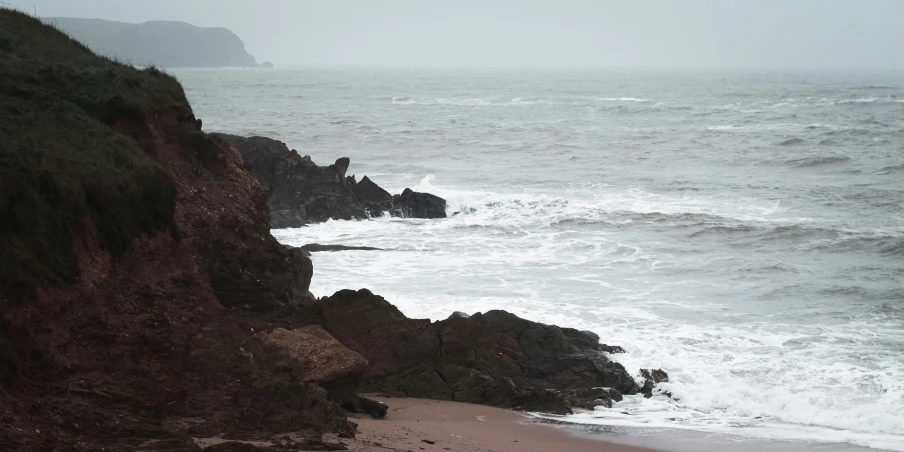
(742, 231)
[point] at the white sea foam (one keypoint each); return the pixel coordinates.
(768, 287)
(758, 379)
(624, 99)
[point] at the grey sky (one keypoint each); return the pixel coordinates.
(864, 34)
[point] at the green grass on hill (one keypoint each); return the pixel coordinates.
(60, 162)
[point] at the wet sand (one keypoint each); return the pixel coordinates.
(412, 424)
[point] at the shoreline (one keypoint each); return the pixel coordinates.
(457, 426)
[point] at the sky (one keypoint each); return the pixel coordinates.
(744, 34)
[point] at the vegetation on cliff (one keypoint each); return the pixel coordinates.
(59, 158)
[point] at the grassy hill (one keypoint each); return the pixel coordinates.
(61, 162)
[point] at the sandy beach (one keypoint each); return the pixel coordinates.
(430, 425)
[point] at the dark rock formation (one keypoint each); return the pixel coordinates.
(411, 204)
(302, 192)
(650, 379)
(369, 192)
(316, 247)
(313, 356)
(160, 43)
(612, 349)
(375, 409)
(494, 358)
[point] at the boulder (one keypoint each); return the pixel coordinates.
(315, 357)
(650, 379)
(412, 204)
(375, 409)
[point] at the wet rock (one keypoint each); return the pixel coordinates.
(301, 192)
(495, 357)
(611, 349)
(651, 379)
(412, 204)
(593, 397)
(316, 247)
(373, 195)
(286, 218)
(341, 166)
(656, 375)
(546, 401)
(362, 404)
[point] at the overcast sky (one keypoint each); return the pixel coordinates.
(809, 34)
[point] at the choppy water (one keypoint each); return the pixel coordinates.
(744, 232)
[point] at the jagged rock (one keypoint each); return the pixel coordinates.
(372, 194)
(412, 204)
(286, 218)
(341, 167)
(495, 357)
(301, 192)
(591, 398)
(612, 349)
(651, 379)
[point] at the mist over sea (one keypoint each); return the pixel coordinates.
(742, 231)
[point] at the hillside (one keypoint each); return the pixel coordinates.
(161, 43)
(135, 256)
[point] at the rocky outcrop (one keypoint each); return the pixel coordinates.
(411, 204)
(160, 43)
(302, 192)
(494, 358)
(651, 378)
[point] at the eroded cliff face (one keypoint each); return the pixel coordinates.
(147, 258)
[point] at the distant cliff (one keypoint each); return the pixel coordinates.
(160, 43)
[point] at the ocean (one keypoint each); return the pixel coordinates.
(742, 231)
